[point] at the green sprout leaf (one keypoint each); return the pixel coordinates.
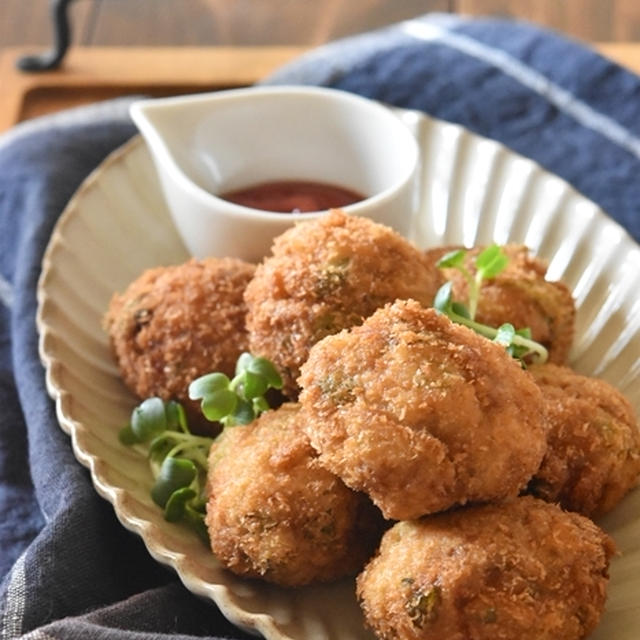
(260, 367)
(195, 521)
(491, 262)
(505, 335)
(461, 310)
(452, 259)
(237, 401)
(260, 405)
(244, 413)
(176, 504)
(175, 474)
(253, 385)
(267, 370)
(219, 404)
(148, 419)
(442, 299)
(176, 417)
(525, 332)
(243, 363)
(207, 385)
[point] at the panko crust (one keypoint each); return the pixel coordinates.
(420, 413)
(326, 275)
(175, 323)
(593, 455)
(521, 570)
(275, 514)
(521, 296)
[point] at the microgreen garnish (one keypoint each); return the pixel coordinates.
(175, 474)
(489, 263)
(240, 400)
(178, 458)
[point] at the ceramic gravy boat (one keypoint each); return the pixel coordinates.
(209, 144)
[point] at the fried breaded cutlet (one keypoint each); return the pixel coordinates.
(274, 513)
(593, 454)
(520, 570)
(421, 413)
(326, 275)
(175, 323)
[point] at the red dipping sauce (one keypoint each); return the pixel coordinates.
(293, 196)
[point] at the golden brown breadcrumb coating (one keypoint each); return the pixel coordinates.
(593, 455)
(274, 513)
(326, 275)
(521, 570)
(173, 324)
(420, 413)
(521, 296)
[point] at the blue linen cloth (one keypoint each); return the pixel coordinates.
(68, 568)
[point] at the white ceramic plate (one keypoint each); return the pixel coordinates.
(473, 191)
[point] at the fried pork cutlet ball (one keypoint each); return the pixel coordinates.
(521, 296)
(420, 413)
(173, 324)
(521, 570)
(274, 513)
(593, 455)
(327, 275)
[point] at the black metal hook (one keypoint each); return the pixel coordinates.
(61, 37)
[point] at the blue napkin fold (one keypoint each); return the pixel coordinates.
(69, 569)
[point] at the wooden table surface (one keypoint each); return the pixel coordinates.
(97, 73)
(90, 74)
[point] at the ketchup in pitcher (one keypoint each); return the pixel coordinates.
(293, 196)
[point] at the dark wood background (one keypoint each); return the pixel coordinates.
(295, 22)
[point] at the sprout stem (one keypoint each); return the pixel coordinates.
(188, 451)
(541, 353)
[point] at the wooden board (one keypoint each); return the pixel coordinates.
(98, 73)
